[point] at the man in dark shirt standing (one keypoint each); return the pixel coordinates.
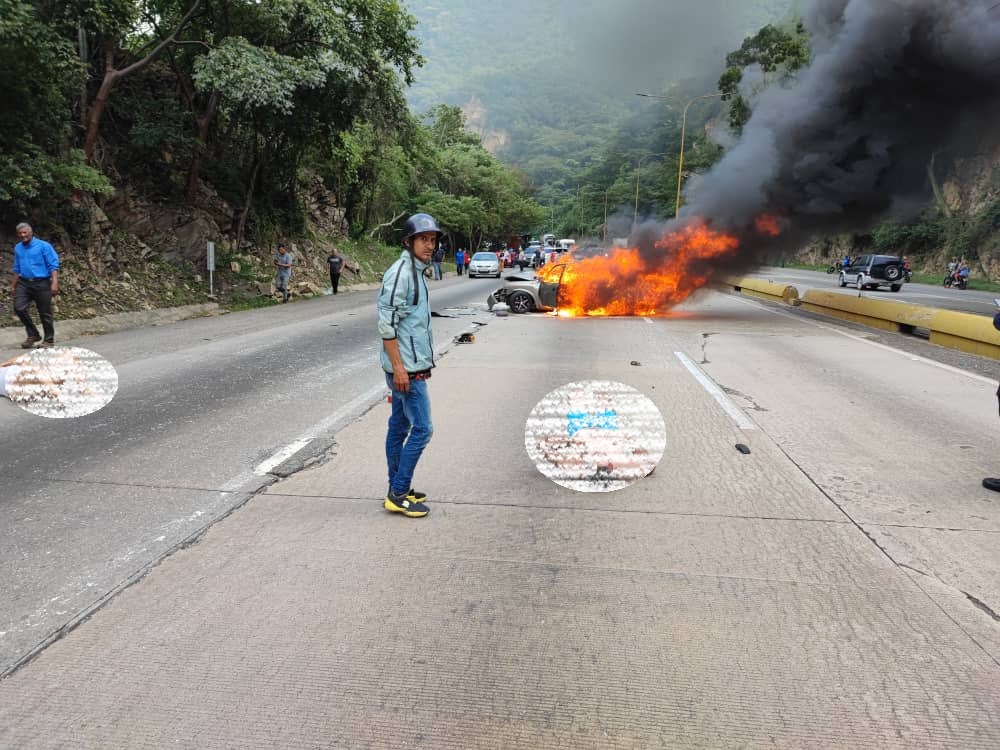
(336, 263)
(283, 262)
(36, 279)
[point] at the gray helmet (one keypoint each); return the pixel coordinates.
(420, 223)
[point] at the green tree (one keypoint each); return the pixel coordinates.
(42, 77)
(778, 50)
(113, 23)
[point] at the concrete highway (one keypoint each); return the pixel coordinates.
(837, 586)
(203, 412)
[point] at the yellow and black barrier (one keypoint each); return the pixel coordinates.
(956, 330)
(966, 332)
(762, 289)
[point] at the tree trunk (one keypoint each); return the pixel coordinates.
(204, 124)
(938, 195)
(112, 75)
(100, 101)
(247, 200)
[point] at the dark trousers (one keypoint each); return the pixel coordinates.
(334, 280)
(38, 291)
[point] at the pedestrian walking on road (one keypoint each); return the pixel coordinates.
(459, 261)
(437, 259)
(283, 261)
(336, 264)
(36, 279)
(404, 314)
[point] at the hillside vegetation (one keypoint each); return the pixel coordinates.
(135, 131)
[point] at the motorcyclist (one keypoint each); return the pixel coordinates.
(963, 274)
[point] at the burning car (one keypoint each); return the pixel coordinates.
(525, 293)
(540, 293)
(596, 281)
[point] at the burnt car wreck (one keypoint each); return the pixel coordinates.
(526, 293)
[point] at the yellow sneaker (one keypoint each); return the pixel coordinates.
(403, 504)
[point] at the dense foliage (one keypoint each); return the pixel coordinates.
(777, 52)
(259, 100)
(252, 99)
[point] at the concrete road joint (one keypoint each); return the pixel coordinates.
(87, 612)
(888, 556)
(233, 487)
(832, 329)
(327, 427)
(973, 600)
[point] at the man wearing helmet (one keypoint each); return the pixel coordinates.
(404, 325)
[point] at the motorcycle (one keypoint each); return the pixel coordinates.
(956, 280)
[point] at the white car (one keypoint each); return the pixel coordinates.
(484, 264)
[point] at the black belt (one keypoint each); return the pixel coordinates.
(35, 278)
(422, 375)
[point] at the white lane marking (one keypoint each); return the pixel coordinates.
(715, 392)
(908, 355)
(366, 399)
(343, 413)
(281, 456)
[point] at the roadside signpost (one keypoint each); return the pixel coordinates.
(210, 260)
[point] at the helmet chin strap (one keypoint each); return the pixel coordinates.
(413, 265)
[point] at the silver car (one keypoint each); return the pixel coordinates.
(484, 264)
(525, 293)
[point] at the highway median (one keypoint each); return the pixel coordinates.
(965, 332)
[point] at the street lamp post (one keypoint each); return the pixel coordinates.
(606, 216)
(680, 161)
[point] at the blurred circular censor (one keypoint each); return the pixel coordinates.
(595, 436)
(61, 382)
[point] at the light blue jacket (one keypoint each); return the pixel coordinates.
(404, 314)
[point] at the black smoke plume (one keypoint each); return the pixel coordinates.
(847, 144)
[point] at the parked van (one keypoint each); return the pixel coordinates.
(566, 245)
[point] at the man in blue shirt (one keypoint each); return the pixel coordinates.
(36, 279)
(404, 325)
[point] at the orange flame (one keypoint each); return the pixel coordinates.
(767, 225)
(624, 282)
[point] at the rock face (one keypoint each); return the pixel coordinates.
(131, 253)
(970, 190)
(323, 210)
(179, 233)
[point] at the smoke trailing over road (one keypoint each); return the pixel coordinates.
(848, 143)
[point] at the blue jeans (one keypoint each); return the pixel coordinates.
(410, 430)
(437, 270)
